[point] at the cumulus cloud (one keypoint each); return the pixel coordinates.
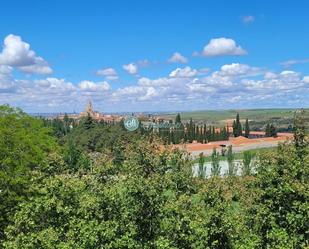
(108, 73)
(222, 46)
(178, 58)
(185, 72)
(90, 86)
(51, 93)
(17, 53)
(236, 69)
(131, 68)
(248, 19)
(55, 83)
(232, 85)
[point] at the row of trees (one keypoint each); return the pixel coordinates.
(189, 132)
(246, 166)
(270, 130)
(238, 129)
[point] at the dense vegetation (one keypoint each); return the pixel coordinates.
(95, 185)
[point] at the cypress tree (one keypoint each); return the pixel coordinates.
(273, 131)
(205, 134)
(224, 134)
(213, 134)
(247, 128)
(234, 129)
(88, 122)
(190, 132)
(238, 125)
(178, 119)
(267, 131)
(196, 133)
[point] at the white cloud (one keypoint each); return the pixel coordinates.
(222, 46)
(232, 85)
(108, 73)
(131, 68)
(150, 94)
(178, 58)
(290, 63)
(185, 72)
(17, 53)
(306, 79)
(248, 19)
(90, 86)
(270, 75)
(6, 80)
(236, 69)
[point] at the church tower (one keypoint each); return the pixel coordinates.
(89, 108)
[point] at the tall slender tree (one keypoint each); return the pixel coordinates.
(178, 119)
(238, 125)
(247, 128)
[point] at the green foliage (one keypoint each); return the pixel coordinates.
(280, 214)
(247, 128)
(270, 130)
(215, 163)
(201, 168)
(150, 202)
(104, 187)
(178, 119)
(24, 146)
(237, 127)
(247, 164)
(231, 164)
(300, 134)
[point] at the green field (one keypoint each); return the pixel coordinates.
(251, 114)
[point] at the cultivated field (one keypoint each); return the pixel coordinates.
(220, 117)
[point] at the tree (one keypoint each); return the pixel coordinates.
(273, 131)
(237, 128)
(24, 146)
(205, 140)
(300, 134)
(191, 131)
(178, 119)
(230, 159)
(215, 163)
(247, 163)
(247, 129)
(88, 122)
(201, 169)
(238, 125)
(280, 215)
(235, 133)
(267, 130)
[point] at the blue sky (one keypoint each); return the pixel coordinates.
(229, 54)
